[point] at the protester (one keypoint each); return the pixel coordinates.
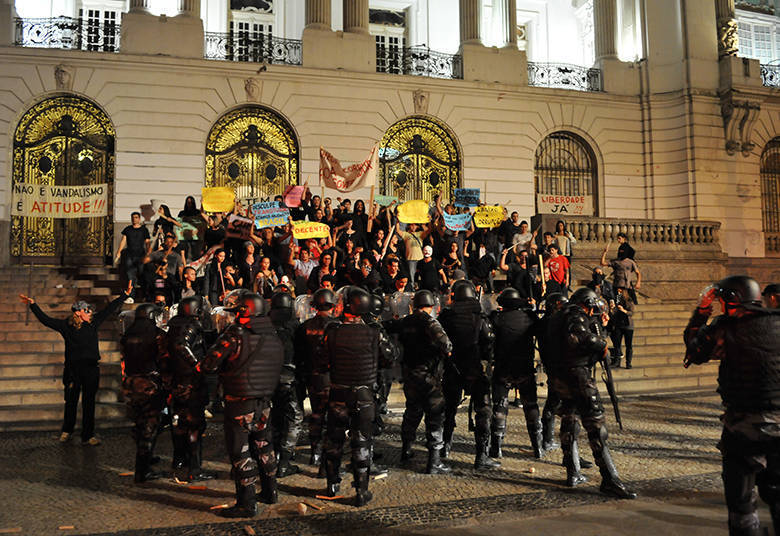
(132, 249)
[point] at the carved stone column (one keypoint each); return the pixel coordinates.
(605, 28)
(318, 14)
(507, 10)
(728, 42)
(189, 8)
(356, 16)
(140, 6)
(469, 21)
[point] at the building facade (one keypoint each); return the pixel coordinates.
(648, 110)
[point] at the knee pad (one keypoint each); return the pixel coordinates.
(244, 470)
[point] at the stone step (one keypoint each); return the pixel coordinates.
(41, 370)
(41, 335)
(33, 383)
(46, 358)
(680, 383)
(642, 370)
(49, 417)
(54, 346)
(49, 396)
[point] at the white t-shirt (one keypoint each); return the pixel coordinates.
(303, 269)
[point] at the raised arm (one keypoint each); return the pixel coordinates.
(52, 323)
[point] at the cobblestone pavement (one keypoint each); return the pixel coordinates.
(667, 451)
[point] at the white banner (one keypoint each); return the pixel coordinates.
(51, 201)
(572, 205)
(347, 179)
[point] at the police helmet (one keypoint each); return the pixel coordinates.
(190, 306)
(773, 288)
(377, 305)
(281, 300)
(250, 304)
(358, 301)
(510, 298)
(554, 301)
(423, 298)
(148, 311)
(738, 290)
(463, 290)
(324, 299)
(585, 297)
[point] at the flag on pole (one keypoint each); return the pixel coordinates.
(347, 179)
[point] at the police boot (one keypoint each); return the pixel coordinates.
(143, 470)
(483, 462)
(285, 468)
(362, 495)
(548, 432)
(571, 453)
(246, 503)
(406, 451)
(316, 455)
(446, 449)
(534, 426)
(197, 473)
(180, 451)
(334, 479)
(435, 465)
(268, 490)
(495, 446)
(610, 482)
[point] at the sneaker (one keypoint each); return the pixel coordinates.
(130, 301)
(64, 437)
(92, 441)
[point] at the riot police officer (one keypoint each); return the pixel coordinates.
(746, 341)
(351, 352)
(425, 347)
(514, 367)
(286, 411)
(384, 375)
(472, 349)
(143, 350)
(248, 357)
(553, 304)
(308, 337)
(186, 347)
(573, 337)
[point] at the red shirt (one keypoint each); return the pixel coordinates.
(558, 267)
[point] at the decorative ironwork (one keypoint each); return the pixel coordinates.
(253, 47)
(770, 195)
(418, 61)
(759, 6)
(64, 140)
(564, 76)
(418, 158)
(254, 150)
(770, 75)
(68, 33)
(565, 165)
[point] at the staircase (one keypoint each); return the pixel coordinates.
(32, 356)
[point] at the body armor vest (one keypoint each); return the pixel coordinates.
(352, 350)
(185, 332)
(140, 348)
(462, 321)
(254, 371)
(571, 339)
(420, 352)
(514, 346)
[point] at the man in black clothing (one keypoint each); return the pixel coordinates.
(132, 249)
(430, 275)
(517, 274)
(384, 375)
(746, 341)
(390, 275)
(249, 358)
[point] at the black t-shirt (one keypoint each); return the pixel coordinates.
(520, 279)
(428, 275)
(509, 230)
(214, 237)
(136, 238)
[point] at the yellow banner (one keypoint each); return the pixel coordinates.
(488, 216)
(218, 199)
(308, 229)
(414, 212)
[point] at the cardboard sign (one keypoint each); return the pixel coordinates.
(218, 199)
(578, 205)
(385, 200)
(466, 197)
(310, 229)
(51, 201)
(414, 212)
(292, 196)
(457, 222)
(269, 214)
(187, 231)
(488, 217)
(239, 227)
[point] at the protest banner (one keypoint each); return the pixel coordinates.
(218, 199)
(466, 197)
(51, 201)
(310, 229)
(347, 179)
(385, 200)
(269, 214)
(239, 227)
(292, 196)
(457, 222)
(414, 212)
(489, 216)
(579, 205)
(187, 231)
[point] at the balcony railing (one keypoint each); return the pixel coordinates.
(418, 61)
(564, 76)
(252, 47)
(68, 33)
(770, 75)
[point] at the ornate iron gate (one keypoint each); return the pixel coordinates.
(253, 150)
(69, 141)
(770, 195)
(418, 158)
(565, 165)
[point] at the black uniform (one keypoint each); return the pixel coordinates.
(388, 349)
(748, 348)
(553, 402)
(143, 349)
(514, 367)
(472, 343)
(248, 357)
(186, 348)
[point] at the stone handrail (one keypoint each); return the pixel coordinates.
(602, 230)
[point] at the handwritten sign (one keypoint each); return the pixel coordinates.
(218, 199)
(310, 229)
(457, 222)
(489, 216)
(414, 212)
(187, 231)
(269, 214)
(239, 227)
(466, 197)
(564, 204)
(51, 201)
(385, 200)
(292, 196)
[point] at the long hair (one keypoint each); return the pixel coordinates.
(75, 320)
(166, 210)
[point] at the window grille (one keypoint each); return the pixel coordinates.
(565, 165)
(770, 194)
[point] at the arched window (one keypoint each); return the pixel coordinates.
(64, 141)
(770, 195)
(418, 158)
(254, 150)
(565, 166)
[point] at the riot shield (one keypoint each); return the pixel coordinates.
(401, 304)
(489, 303)
(304, 309)
(126, 319)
